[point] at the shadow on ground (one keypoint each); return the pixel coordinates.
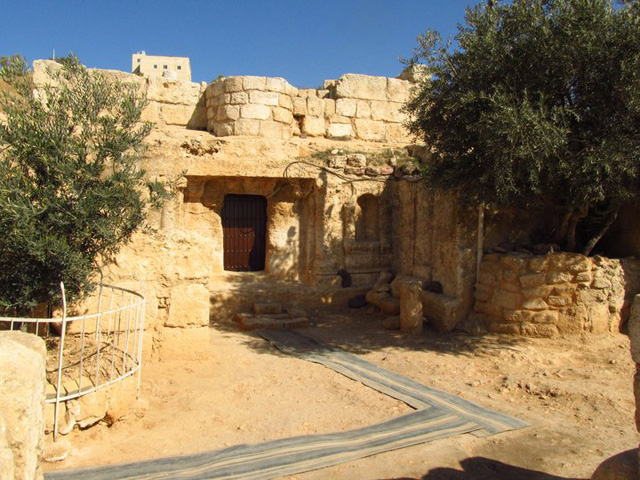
(481, 468)
(360, 333)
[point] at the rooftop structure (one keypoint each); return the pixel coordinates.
(172, 68)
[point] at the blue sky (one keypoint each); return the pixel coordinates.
(305, 42)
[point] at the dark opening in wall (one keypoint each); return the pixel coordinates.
(367, 218)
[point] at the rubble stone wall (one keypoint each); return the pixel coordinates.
(22, 377)
(558, 293)
(352, 107)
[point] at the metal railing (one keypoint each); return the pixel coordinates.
(93, 350)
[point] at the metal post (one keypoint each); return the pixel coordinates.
(63, 332)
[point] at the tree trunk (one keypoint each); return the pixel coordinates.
(596, 238)
(577, 216)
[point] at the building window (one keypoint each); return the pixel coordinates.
(165, 67)
(138, 60)
(179, 67)
(155, 66)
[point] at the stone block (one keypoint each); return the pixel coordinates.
(389, 305)
(233, 84)
(387, 111)
(398, 90)
(340, 130)
(22, 376)
(623, 466)
(329, 107)
(282, 115)
(224, 130)
(579, 263)
(215, 88)
(150, 113)
(549, 316)
(227, 113)
(572, 319)
(488, 279)
(506, 299)
(517, 316)
(532, 280)
(198, 120)
(534, 304)
(411, 317)
(514, 261)
(600, 282)
(599, 318)
(537, 292)
(314, 126)
(558, 301)
(538, 263)
(363, 109)
(539, 330)
(506, 328)
(254, 83)
(267, 308)
(370, 130)
(277, 84)
(257, 112)
(263, 98)
(395, 132)
(299, 106)
(346, 107)
(315, 106)
(443, 312)
(246, 126)
(362, 87)
(285, 101)
(189, 306)
(238, 98)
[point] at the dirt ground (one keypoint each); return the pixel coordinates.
(576, 392)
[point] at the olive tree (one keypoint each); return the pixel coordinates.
(539, 104)
(71, 192)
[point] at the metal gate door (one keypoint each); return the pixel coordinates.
(244, 223)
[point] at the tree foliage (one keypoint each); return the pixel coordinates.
(70, 190)
(539, 104)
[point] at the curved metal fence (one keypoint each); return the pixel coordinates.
(93, 350)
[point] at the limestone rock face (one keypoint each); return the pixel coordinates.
(189, 306)
(22, 376)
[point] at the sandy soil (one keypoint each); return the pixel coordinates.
(576, 392)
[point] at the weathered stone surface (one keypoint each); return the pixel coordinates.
(267, 308)
(441, 310)
(370, 130)
(245, 126)
(233, 84)
(315, 106)
(22, 376)
(634, 331)
(254, 83)
(263, 98)
(346, 107)
(257, 112)
(411, 317)
(189, 306)
(532, 280)
(398, 90)
(387, 111)
(299, 106)
(390, 305)
(314, 126)
(356, 160)
(339, 130)
(506, 299)
(362, 87)
(363, 109)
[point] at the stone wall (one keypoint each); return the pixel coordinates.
(558, 293)
(170, 102)
(22, 378)
(352, 107)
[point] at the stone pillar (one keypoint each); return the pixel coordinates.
(411, 317)
(22, 376)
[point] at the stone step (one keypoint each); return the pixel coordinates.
(267, 308)
(268, 322)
